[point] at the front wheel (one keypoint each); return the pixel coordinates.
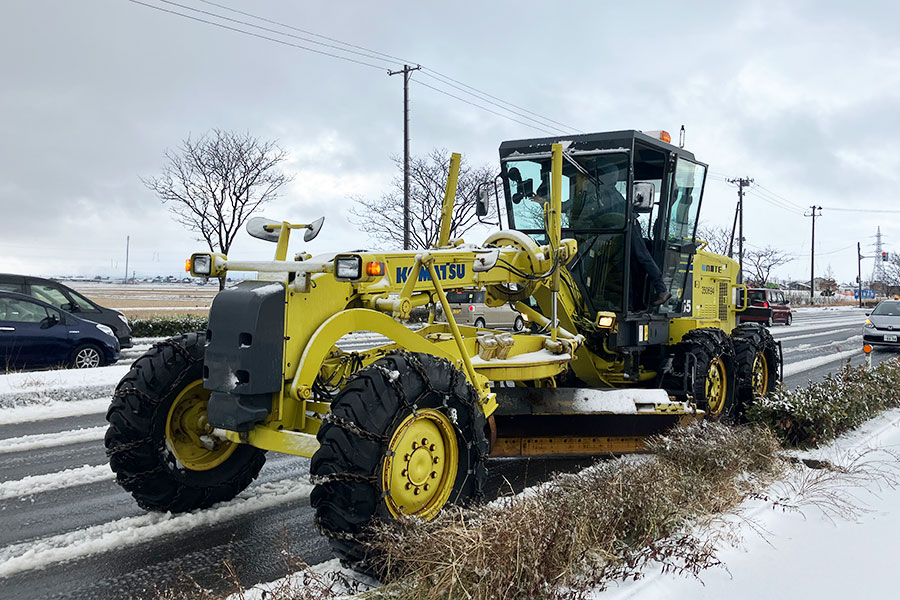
(789, 320)
(404, 438)
(479, 323)
(87, 356)
(160, 444)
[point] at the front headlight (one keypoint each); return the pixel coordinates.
(348, 267)
(201, 264)
(122, 318)
(869, 324)
(107, 330)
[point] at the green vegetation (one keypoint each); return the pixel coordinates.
(167, 326)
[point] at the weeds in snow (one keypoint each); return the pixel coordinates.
(583, 530)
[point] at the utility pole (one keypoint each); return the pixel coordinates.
(812, 252)
(406, 70)
(741, 182)
(127, 243)
(859, 258)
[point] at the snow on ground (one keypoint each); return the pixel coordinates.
(54, 409)
(129, 531)
(52, 440)
(36, 484)
(66, 385)
(329, 575)
(808, 553)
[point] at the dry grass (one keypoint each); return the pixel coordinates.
(583, 530)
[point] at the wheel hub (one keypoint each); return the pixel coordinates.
(716, 387)
(419, 469)
(760, 375)
(189, 435)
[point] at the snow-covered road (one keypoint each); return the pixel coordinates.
(70, 531)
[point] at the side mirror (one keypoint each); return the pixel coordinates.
(313, 229)
(643, 193)
(481, 200)
(68, 306)
(264, 229)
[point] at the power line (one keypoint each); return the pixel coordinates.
(257, 35)
(782, 198)
(548, 120)
(369, 53)
(482, 107)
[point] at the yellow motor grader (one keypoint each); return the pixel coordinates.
(615, 349)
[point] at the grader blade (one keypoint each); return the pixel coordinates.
(582, 421)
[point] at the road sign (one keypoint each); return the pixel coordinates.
(866, 294)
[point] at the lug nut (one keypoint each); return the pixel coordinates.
(416, 491)
(424, 441)
(415, 445)
(431, 447)
(425, 487)
(434, 474)
(403, 473)
(406, 457)
(408, 485)
(435, 460)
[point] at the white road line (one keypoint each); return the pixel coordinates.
(821, 333)
(50, 440)
(54, 410)
(781, 333)
(37, 484)
(813, 363)
(130, 531)
(852, 340)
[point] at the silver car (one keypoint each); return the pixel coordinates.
(469, 309)
(883, 324)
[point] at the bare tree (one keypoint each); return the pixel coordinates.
(382, 218)
(716, 236)
(758, 264)
(213, 184)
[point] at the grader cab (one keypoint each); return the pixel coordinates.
(631, 330)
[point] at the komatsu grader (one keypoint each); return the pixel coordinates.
(406, 427)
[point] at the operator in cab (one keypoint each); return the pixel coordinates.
(596, 203)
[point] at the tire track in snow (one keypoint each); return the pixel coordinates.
(50, 440)
(131, 531)
(37, 484)
(809, 364)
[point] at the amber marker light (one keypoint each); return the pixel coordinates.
(187, 265)
(867, 349)
(374, 269)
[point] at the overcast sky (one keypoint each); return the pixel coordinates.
(801, 96)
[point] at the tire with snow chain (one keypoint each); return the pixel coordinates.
(756, 361)
(158, 442)
(708, 353)
(404, 437)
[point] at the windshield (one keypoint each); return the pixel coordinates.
(887, 309)
(594, 188)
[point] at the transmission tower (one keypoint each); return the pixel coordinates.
(878, 269)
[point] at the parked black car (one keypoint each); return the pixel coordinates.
(66, 299)
(35, 334)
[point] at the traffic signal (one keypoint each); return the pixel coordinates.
(884, 256)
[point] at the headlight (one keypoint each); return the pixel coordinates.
(122, 318)
(107, 330)
(869, 324)
(348, 267)
(201, 264)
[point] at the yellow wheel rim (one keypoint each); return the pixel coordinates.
(760, 375)
(420, 466)
(189, 435)
(716, 387)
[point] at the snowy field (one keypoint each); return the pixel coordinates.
(70, 531)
